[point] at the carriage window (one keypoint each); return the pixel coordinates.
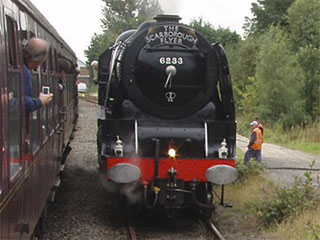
(56, 99)
(57, 93)
(12, 42)
(31, 34)
(14, 123)
(2, 148)
(44, 121)
(50, 62)
(44, 66)
(35, 116)
(50, 105)
(23, 23)
(52, 90)
(14, 81)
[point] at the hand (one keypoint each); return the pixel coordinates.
(45, 98)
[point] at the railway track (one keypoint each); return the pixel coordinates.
(215, 230)
(90, 99)
(207, 223)
(131, 231)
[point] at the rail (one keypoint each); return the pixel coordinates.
(90, 99)
(131, 231)
(215, 230)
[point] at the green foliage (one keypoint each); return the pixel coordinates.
(224, 36)
(99, 43)
(267, 13)
(304, 23)
(315, 230)
(119, 16)
(304, 27)
(305, 138)
(285, 63)
(243, 62)
(286, 202)
(309, 60)
(279, 81)
(252, 169)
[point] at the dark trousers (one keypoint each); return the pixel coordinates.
(250, 153)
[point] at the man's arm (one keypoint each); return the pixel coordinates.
(253, 138)
(31, 104)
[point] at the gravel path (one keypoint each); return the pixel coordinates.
(275, 156)
(82, 209)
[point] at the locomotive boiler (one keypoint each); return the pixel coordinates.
(166, 120)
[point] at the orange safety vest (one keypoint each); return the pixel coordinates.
(259, 139)
(261, 128)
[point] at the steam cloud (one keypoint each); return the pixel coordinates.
(170, 6)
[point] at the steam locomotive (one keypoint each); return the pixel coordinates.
(166, 119)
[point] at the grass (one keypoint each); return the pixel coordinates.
(91, 92)
(252, 190)
(241, 220)
(306, 139)
(93, 88)
(306, 226)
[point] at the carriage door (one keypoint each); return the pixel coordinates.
(15, 120)
(54, 111)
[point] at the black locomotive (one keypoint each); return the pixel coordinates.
(166, 115)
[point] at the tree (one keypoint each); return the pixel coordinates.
(279, 81)
(267, 13)
(304, 23)
(222, 35)
(242, 60)
(304, 27)
(99, 42)
(119, 16)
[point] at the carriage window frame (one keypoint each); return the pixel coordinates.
(52, 84)
(12, 41)
(15, 163)
(23, 20)
(44, 81)
(1, 143)
(35, 116)
(57, 95)
(50, 61)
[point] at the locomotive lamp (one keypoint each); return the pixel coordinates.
(223, 150)
(118, 148)
(172, 152)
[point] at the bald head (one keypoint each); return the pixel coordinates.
(36, 50)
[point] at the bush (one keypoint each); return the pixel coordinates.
(252, 169)
(286, 202)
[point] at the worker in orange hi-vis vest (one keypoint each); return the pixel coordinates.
(255, 144)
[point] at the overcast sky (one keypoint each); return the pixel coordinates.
(76, 21)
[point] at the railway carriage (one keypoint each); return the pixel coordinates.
(166, 115)
(32, 145)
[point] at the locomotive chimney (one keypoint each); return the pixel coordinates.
(167, 18)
